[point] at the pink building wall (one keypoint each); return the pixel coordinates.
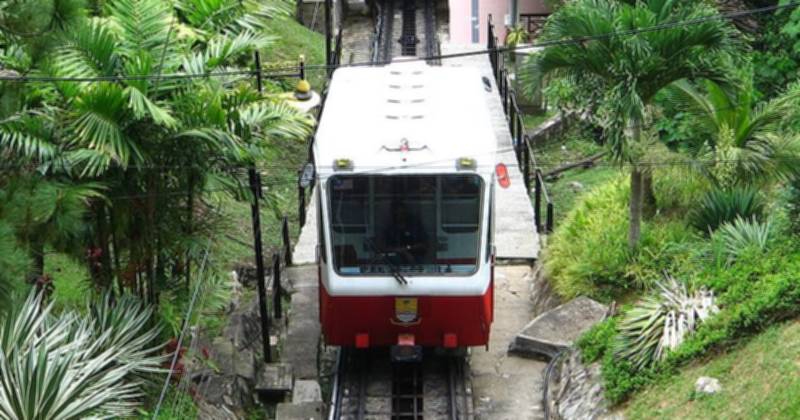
(461, 17)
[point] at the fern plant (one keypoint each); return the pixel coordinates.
(661, 322)
(720, 206)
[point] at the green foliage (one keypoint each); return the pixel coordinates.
(588, 253)
(623, 74)
(213, 297)
(68, 367)
(598, 340)
(720, 206)
(14, 263)
(745, 236)
(792, 26)
(774, 51)
(746, 143)
(754, 293)
(660, 322)
(755, 376)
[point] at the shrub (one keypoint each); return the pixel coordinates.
(598, 340)
(68, 367)
(588, 254)
(741, 236)
(660, 322)
(756, 292)
(721, 206)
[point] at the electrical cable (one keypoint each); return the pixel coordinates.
(296, 69)
(183, 331)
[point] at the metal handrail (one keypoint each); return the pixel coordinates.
(522, 144)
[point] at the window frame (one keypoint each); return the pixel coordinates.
(480, 245)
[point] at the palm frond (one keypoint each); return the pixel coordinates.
(90, 51)
(144, 24)
(99, 124)
(29, 135)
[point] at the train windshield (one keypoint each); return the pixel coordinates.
(413, 224)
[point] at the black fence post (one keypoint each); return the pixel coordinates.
(255, 187)
(301, 199)
(287, 241)
(537, 200)
(549, 217)
(302, 66)
(277, 288)
(328, 35)
(526, 164)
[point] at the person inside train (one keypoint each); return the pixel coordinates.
(405, 236)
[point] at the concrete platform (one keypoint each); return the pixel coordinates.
(303, 332)
(516, 237)
(508, 388)
(558, 328)
(305, 250)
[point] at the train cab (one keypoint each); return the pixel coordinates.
(406, 172)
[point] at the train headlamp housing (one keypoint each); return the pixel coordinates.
(343, 164)
(466, 164)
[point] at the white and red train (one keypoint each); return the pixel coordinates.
(405, 161)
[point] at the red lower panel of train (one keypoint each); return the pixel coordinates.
(375, 321)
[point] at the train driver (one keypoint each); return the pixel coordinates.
(405, 236)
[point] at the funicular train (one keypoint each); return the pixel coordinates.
(406, 174)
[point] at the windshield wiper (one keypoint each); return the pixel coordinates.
(392, 266)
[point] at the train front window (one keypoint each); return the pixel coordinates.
(414, 224)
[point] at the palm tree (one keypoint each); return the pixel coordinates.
(625, 72)
(745, 141)
(69, 367)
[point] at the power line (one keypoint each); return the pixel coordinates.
(581, 40)
(280, 72)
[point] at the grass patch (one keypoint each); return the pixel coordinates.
(531, 121)
(576, 144)
(235, 240)
(567, 190)
(760, 379)
(293, 40)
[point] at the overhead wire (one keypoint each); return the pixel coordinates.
(280, 72)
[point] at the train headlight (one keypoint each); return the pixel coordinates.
(466, 163)
(343, 165)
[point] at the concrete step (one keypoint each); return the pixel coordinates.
(558, 328)
(301, 411)
(274, 379)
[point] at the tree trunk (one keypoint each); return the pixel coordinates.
(36, 252)
(103, 244)
(649, 195)
(635, 231)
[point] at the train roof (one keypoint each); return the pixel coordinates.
(405, 117)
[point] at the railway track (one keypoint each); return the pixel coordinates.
(369, 386)
(405, 28)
